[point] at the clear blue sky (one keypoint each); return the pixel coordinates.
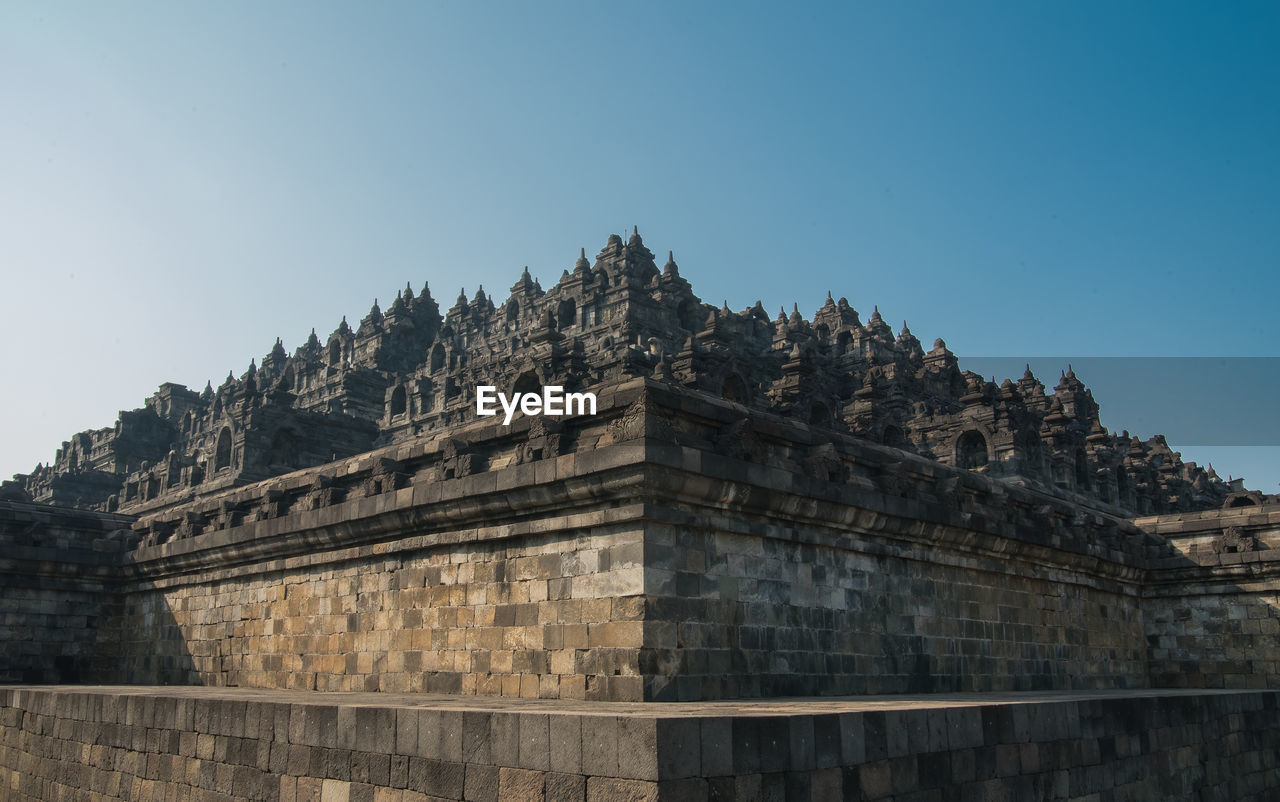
(180, 184)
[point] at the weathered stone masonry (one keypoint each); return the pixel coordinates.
(1212, 603)
(689, 549)
(60, 572)
(412, 372)
(207, 744)
(759, 509)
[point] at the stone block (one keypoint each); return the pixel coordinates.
(565, 787)
(481, 783)
(716, 746)
(612, 789)
(775, 745)
(335, 791)
(516, 783)
(746, 745)
(875, 779)
(639, 748)
(679, 748)
(535, 742)
(476, 737)
(565, 736)
(801, 743)
(599, 746)
(407, 731)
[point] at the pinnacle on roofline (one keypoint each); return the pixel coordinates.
(670, 269)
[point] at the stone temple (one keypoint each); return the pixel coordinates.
(785, 558)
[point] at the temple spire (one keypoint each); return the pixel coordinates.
(670, 269)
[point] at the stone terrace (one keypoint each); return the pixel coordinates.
(230, 743)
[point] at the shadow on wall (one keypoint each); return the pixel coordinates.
(1209, 618)
(1211, 603)
(60, 600)
(148, 641)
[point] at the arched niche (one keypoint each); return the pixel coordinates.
(222, 454)
(971, 450)
(566, 313)
(734, 389)
(893, 437)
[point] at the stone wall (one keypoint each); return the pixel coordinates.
(230, 744)
(58, 573)
(501, 613)
(791, 563)
(747, 616)
(671, 547)
(1212, 599)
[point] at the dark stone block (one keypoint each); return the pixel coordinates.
(481, 783)
(875, 738)
(826, 738)
(746, 745)
(565, 787)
